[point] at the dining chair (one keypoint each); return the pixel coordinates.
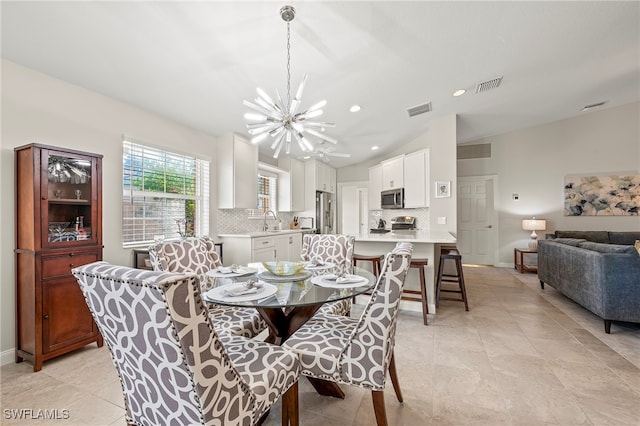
(358, 351)
(173, 366)
(334, 248)
(198, 256)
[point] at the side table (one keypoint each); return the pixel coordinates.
(518, 260)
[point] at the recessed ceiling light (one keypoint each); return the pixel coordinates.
(355, 108)
(373, 148)
(459, 92)
(306, 157)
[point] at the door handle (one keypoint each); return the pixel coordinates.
(489, 226)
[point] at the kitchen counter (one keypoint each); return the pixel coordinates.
(433, 237)
(269, 233)
(426, 245)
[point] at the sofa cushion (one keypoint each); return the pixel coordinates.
(595, 236)
(627, 238)
(608, 248)
(570, 241)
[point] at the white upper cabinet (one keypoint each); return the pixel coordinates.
(393, 173)
(375, 187)
(292, 186)
(237, 173)
(318, 177)
(416, 179)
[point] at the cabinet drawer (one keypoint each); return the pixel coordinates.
(263, 242)
(55, 266)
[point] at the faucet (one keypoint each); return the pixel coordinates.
(265, 227)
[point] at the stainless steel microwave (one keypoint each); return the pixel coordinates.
(392, 199)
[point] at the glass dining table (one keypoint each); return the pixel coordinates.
(286, 302)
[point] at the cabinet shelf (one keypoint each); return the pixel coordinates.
(67, 201)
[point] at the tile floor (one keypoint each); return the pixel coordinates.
(521, 356)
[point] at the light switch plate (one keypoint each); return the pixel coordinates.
(442, 220)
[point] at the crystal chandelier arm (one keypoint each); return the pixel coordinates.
(308, 114)
(318, 125)
(274, 112)
(301, 88)
(259, 138)
(278, 140)
(318, 105)
(275, 154)
(303, 148)
(257, 108)
(294, 107)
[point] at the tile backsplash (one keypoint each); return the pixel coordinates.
(421, 215)
(236, 221)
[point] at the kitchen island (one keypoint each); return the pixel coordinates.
(426, 245)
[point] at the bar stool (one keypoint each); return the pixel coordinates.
(375, 262)
(451, 254)
(419, 264)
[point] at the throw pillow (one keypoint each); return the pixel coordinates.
(637, 246)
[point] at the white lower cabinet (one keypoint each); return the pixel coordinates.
(243, 249)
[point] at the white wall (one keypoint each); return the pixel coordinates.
(441, 141)
(533, 163)
(38, 108)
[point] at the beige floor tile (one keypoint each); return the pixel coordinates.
(521, 356)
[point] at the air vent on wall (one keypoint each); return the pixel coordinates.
(488, 85)
(468, 152)
(420, 109)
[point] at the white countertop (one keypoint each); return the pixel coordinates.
(433, 237)
(270, 233)
(428, 237)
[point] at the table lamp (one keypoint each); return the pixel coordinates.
(534, 225)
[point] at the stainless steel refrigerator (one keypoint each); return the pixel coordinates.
(325, 212)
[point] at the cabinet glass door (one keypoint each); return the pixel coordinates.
(67, 194)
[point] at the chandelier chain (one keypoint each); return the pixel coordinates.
(288, 66)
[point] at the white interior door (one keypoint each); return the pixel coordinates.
(349, 210)
(477, 220)
(363, 198)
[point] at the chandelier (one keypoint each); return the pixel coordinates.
(283, 121)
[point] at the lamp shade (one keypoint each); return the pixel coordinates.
(534, 224)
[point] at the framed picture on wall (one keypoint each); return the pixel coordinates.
(443, 188)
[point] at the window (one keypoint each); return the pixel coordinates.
(266, 192)
(164, 194)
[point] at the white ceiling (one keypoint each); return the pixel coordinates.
(195, 62)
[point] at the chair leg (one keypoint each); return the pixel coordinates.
(378, 407)
(290, 406)
(393, 374)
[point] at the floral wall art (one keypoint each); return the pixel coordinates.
(602, 195)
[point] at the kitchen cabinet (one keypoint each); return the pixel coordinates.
(237, 173)
(318, 177)
(58, 227)
(291, 187)
(243, 249)
(416, 179)
(393, 173)
(375, 187)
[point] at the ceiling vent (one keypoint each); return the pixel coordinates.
(488, 85)
(469, 152)
(420, 109)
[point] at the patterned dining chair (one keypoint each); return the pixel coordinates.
(358, 351)
(334, 248)
(173, 366)
(198, 256)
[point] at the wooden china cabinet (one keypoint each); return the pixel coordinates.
(58, 227)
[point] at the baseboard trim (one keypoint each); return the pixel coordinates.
(8, 356)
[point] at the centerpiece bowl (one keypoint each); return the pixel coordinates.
(284, 268)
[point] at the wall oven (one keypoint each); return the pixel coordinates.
(392, 199)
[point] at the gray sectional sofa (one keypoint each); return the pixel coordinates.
(599, 270)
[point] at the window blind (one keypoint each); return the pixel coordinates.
(164, 194)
